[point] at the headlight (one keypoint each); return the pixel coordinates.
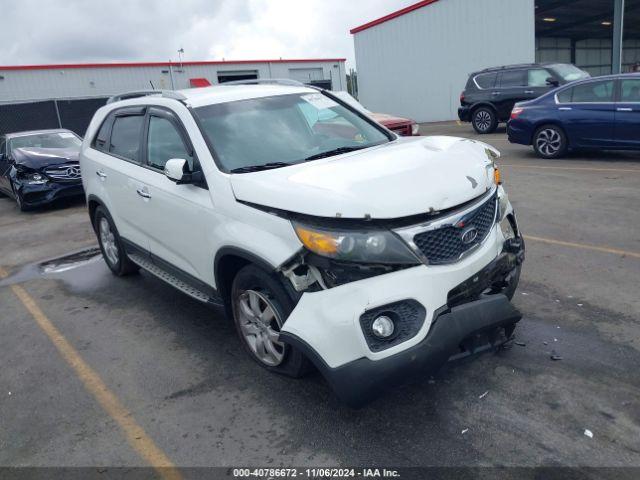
(373, 246)
(33, 178)
(415, 129)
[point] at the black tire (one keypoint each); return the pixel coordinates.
(550, 141)
(121, 265)
(484, 120)
(19, 200)
(252, 279)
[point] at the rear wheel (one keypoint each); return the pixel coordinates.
(111, 245)
(549, 141)
(260, 307)
(484, 120)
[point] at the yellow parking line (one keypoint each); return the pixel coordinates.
(583, 246)
(136, 436)
(590, 169)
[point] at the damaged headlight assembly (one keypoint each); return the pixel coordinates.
(32, 179)
(335, 256)
(372, 246)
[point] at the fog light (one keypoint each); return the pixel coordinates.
(382, 327)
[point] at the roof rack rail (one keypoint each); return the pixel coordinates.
(260, 81)
(143, 93)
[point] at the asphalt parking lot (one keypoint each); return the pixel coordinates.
(100, 371)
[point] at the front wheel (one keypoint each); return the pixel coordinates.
(484, 120)
(111, 245)
(550, 141)
(260, 307)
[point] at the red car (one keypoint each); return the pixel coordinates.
(399, 125)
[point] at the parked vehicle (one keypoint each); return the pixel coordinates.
(40, 166)
(490, 94)
(600, 113)
(375, 257)
(402, 126)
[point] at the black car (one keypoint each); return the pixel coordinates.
(490, 94)
(40, 166)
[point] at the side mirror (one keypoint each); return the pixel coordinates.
(552, 82)
(177, 170)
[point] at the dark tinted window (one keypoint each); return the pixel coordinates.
(100, 143)
(630, 90)
(592, 92)
(565, 95)
(2, 143)
(125, 136)
(165, 143)
(486, 80)
(513, 78)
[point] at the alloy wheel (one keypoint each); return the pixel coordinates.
(483, 120)
(108, 241)
(549, 141)
(260, 326)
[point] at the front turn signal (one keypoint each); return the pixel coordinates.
(497, 178)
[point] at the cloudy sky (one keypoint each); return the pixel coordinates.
(59, 31)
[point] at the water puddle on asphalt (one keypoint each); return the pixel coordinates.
(82, 269)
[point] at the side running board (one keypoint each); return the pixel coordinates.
(174, 281)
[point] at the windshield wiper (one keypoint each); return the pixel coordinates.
(335, 151)
(258, 168)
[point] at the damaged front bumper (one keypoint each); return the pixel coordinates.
(37, 195)
(444, 312)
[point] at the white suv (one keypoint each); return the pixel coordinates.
(327, 238)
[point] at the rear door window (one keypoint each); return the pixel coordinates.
(593, 92)
(513, 78)
(486, 80)
(125, 136)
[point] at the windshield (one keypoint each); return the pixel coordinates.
(46, 140)
(283, 130)
(569, 72)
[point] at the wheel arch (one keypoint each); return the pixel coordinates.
(227, 263)
(478, 105)
(93, 202)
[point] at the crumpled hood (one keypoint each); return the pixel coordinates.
(408, 176)
(37, 158)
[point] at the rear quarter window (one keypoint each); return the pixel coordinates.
(486, 80)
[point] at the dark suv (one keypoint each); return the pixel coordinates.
(490, 94)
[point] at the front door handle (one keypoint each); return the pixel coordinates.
(529, 92)
(564, 108)
(624, 109)
(143, 192)
(495, 93)
(101, 174)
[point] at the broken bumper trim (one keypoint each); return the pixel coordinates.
(362, 380)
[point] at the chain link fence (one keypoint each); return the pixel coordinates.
(74, 115)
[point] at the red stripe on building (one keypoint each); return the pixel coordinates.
(163, 64)
(393, 15)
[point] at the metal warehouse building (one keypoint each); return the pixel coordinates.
(51, 96)
(415, 62)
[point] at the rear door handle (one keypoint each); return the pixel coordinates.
(529, 91)
(624, 109)
(101, 174)
(143, 192)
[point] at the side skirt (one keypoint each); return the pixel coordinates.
(172, 275)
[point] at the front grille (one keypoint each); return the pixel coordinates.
(68, 172)
(446, 245)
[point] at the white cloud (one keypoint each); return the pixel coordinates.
(56, 31)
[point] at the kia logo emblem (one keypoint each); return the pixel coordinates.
(73, 172)
(469, 235)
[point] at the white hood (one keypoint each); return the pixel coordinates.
(408, 176)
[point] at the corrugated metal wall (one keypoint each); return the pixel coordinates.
(416, 65)
(25, 85)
